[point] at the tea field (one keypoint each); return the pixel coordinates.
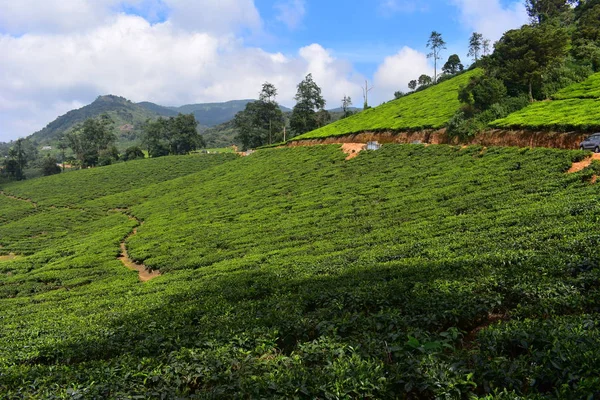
(575, 108)
(427, 109)
(409, 272)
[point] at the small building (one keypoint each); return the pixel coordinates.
(46, 148)
(373, 146)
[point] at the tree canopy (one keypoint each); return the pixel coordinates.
(309, 101)
(174, 136)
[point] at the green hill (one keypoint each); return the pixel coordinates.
(575, 108)
(408, 272)
(128, 118)
(427, 109)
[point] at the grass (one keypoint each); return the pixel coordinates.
(427, 109)
(559, 115)
(296, 274)
(575, 108)
(588, 89)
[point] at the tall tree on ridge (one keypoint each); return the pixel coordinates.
(475, 44)
(308, 101)
(436, 44)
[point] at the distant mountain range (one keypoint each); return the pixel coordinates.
(214, 119)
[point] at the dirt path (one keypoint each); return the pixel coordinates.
(144, 274)
(19, 199)
(578, 166)
(9, 257)
(352, 149)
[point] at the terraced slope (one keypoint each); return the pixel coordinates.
(412, 271)
(575, 108)
(427, 109)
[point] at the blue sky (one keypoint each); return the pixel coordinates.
(62, 54)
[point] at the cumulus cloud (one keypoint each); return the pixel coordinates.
(490, 17)
(63, 16)
(399, 69)
(291, 12)
(47, 75)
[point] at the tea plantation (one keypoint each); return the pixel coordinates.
(428, 109)
(575, 108)
(409, 272)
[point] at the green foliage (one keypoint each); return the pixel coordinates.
(482, 92)
(261, 122)
(564, 115)
(309, 101)
(174, 136)
(133, 153)
(588, 89)
(453, 65)
(50, 166)
(427, 109)
(89, 140)
(377, 277)
(522, 56)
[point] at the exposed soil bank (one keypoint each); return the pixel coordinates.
(579, 166)
(352, 149)
(496, 137)
(9, 257)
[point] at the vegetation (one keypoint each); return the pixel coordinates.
(436, 44)
(465, 272)
(427, 109)
(308, 114)
(262, 122)
(564, 115)
(588, 89)
(173, 136)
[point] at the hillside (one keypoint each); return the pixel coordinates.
(212, 114)
(427, 109)
(410, 272)
(575, 108)
(122, 111)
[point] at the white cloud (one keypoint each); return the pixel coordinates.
(490, 17)
(291, 12)
(399, 69)
(47, 75)
(63, 16)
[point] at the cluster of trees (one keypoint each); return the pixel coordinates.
(559, 47)
(172, 136)
(263, 123)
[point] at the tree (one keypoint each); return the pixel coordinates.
(424, 80)
(398, 94)
(269, 107)
(436, 44)
(346, 104)
(133, 153)
(323, 118)
(50, 166)
(262, 121)
(523, 55)
(482, 92)
(308, 101)
(486, 47)
(412, 85)
(475, 45)
(62, 145)
(175, 136)
(541, 11)
(90, 138)
(16, 162)
(453, 65)
(366, 91)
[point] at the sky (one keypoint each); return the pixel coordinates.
(58, 55)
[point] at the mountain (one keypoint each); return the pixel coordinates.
(129, 118)
(212, 114)
(127, 115)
